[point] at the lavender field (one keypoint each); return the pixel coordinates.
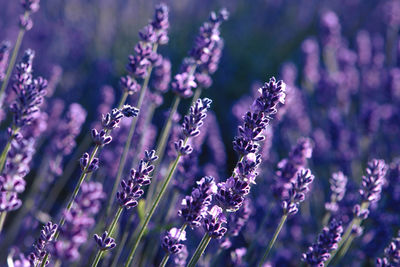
(199, 133)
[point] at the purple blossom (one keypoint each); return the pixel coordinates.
(298, 192)
(289, 167)
(213, 223)
(373, 181)
(183, 84)
(162, 76)
(129, 85)
(161, 23)
(4, 54)
(17, 167)
(181, 257)
(78, 222)
(29, 91)
(338, 183)
(30, 5)
(131, 190)
(104, 242)
(46, 236)
(327, 241)
(170, 242)
(391, 256)
(194, 207)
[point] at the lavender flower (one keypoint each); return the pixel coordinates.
(160, 23)
(4, 54)
(104, 242)
(328, 240)
(391, 255)
(192, 123)
(183, 83)
(162, 76)
(46, 236)
(17, 167)
(131, 190)
(232, 193)
(255, 121)
(297, 192)
(181, 257)
(213, 222)
(129, 85)
(29, 91)
(288, 168)
(78, 221)
(170, 241)
(372, 182)
(338, 183)
(194, 207)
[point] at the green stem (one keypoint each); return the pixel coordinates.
(12, 62)
(161, 144)
(2, 220)
(200, 250)
(164, 260)
(273, 240)
(110, 232)
(128, 142)
(123, 241)
(122, 100)
(4, 153)
(152, 209)
(355, 222)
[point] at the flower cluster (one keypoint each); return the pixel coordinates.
(4, 54)
(327, 241)
(233, 191)
(104, 242)
(192, 123)
(162, 76)
(214, 221)
(288, 168)
(131, 190)
(78, 222)
(338, 183)
(170, 242)
(194, 207)
(391, 256)
(17, 167)
(29, 91)
(373, 181)
(145, 56)
(297, 192)
(46, 236)
(255, 121)
(30, 6)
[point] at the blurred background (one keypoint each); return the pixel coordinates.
(349, 105)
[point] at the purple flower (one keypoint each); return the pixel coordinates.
(391, 256)
(213, 222)
(194, 207)
(131, 190)
(327, 241)
(78, 222)
(86, 166)
(170, 242)
(183, 83)
(289, 167)
(46, 236)
(104, 242)
(17, 167)
(181, 257)
(373, 181)
(129, 85)
(29, 91)
(30, 5)
(161, 23)
(255, 121)
(4, 54)
(162, 76)
(338, 183)
(238, 219)
(298, 192)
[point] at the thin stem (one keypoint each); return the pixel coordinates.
(12, 62)
(110, 232)
(355, 222)
(196, 96)
(4, 153)
(164, 260)
(200, 250)
(60, 183)
(153, 208)
(123, 241)
(161, 144)
(272, 242)
(122, 100)
(2, 220)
